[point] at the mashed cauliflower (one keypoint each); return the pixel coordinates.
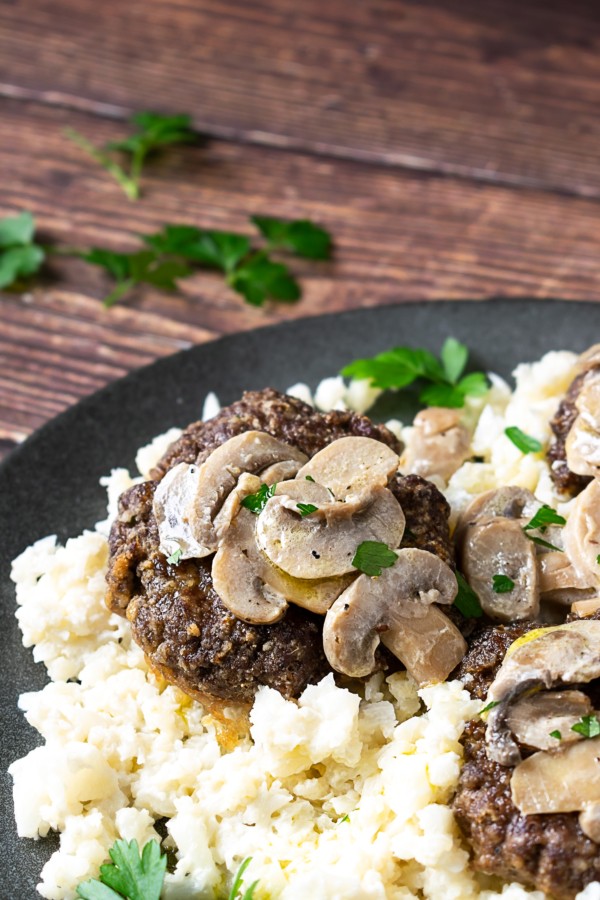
(341, 796)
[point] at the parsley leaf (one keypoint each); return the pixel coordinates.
(306, 508)
(402, 366)
(556, 734)
(19, 255)
(466, 601)
(257, 502)
(259, 279)
(153, 131)
(129, 875)
(301, 236)
(544, 516)
(588, 726)
(489, 706)
(175, 556)
(216, 249)
(345, 818)
(310, 478)
(373, 556)
(236, 888)
(523, 442)
(130, 269)
(502, 584)
(598, 559)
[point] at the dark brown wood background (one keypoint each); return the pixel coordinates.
(452, 149)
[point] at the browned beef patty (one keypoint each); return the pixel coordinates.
(566, 481)
(175, 614)
(548, 851)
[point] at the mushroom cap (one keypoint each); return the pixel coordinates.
(438, 444)
(379, 609)
(430, 647)
(189, 498)
(560, 581)
(581, 534)
(588, 360)
(563, 780)
(351, 465)
(253, 589)
(546, 657)
(532, 719)
(498, 545)
(314, 547)
(510, 502)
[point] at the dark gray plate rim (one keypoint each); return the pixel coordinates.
(50, 483)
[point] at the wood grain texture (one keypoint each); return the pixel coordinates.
(399, 236)
(503, 91)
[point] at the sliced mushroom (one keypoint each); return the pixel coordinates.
(509, 502)
(396, 609)
(351, 465)
(317, 547)
(588, 360)
(533, 719)
(438, 444)
(589, 821)
(559, 579)
(247, 484)
(188, 498)
(564, 780)
(584, 608)
(546, 658)
(498, 546)
(280, 471)
(581, 534)
(256, 591)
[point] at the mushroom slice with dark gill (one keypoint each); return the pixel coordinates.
(189, 497)
(544, 658)
(351, 465)
(397, 609)
(534, 720)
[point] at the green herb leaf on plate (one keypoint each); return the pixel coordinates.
(556, 734)
(236, 888)
(588, 726)
(489, 706)
(175, 557)
(257, 502)
(306, 508)
(502, 584)
(373, 556)
(523, 442)
(129, 875)
(466, 601)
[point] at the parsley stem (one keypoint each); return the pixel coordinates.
(135, 173)
(119, 291)
(128, 186)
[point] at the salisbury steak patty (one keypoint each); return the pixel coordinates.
(175, 614)
(548, 851)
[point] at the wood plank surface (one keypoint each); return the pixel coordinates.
(503, 91)
(399, 236)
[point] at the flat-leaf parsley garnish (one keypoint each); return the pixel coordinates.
(544, 517)
(588, 726)
(306, 509)
(257, 502)
(523, 442)
(20, 256)
(373, 556)
(153, 132)
(175, 556)
(129, 875)
(301, 236)
(502, 584)
(400, 367)
(466, 600)
(236, 888)
(489, 706)
(556, 734)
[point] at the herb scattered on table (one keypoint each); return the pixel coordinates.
(302, 237)
(402, 366)
(588, 726)
(152, 132)
(131, 269)
(502, 584)
(20, 256)
(544, 517)
(523, 442)
(129, 875)
(466, 601)
(257, 502)
(373, 556)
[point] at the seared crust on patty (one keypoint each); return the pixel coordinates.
(549, 851)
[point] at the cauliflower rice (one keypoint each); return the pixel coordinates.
(341, 796)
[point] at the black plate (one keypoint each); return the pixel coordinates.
(50, 484)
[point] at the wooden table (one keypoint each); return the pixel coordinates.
(451, 148)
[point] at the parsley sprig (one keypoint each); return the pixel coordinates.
(373, 556)
(466, 601)
(588, 726)
(130, 875)
(257, 502)
(502, 584)
(544, 517)
(236, 888)
(305, 509)
(152, 132)
(523, 442)
(131, 269)
(402, 366)
(20, 256)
